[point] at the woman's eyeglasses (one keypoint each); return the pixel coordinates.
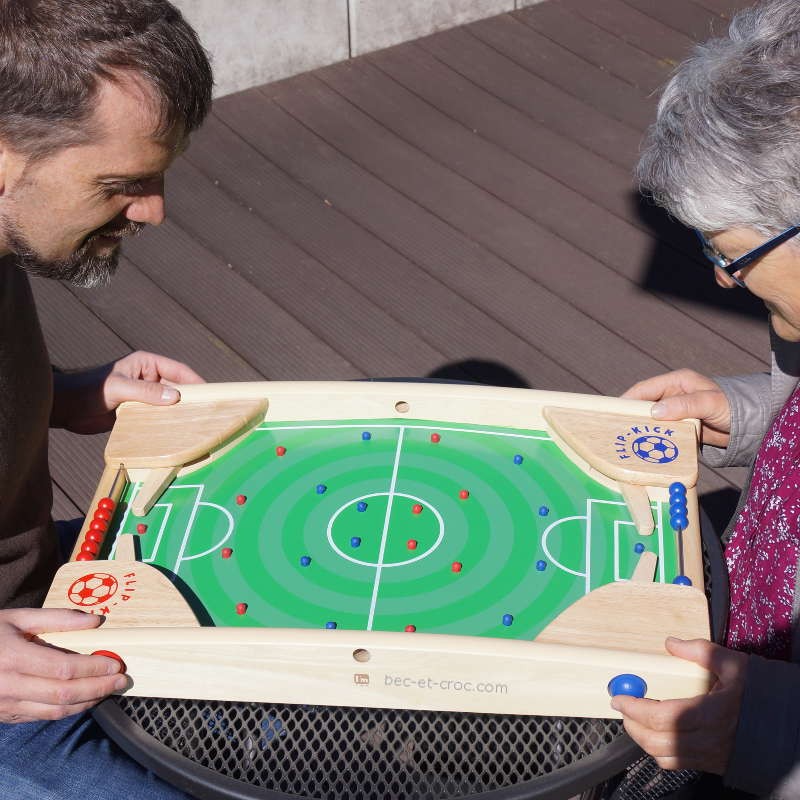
(730, 267)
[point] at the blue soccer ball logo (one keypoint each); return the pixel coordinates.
(655, 449)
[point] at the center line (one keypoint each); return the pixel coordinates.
(385, 534)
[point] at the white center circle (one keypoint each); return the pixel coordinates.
(422, 555)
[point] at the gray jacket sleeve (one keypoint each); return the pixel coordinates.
(766, 754)
(754, 401)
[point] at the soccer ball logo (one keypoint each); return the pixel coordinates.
(93, 589)
(655, 449)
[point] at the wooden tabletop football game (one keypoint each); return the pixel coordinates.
(394, 545)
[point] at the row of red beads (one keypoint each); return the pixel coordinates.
(96, 532)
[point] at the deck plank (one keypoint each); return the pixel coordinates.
(691, 19)
(577, 77)
(416, 292)
(665, 42)
(540, 100)
(606, 51)
(266, 335)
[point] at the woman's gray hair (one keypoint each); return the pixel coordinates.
(725, 148)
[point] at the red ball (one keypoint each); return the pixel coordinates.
(435, 438)
(107, 503)
(93, 535)
(411, 544)
(83, 556)
(241, 608)
(416, 508)
(240, 499)
(227, 552)
(410, 628)
(101, 513)
(141, 528)
(463, 494)
(90, 547)
(280, 451)
(457, 565)
(99, 525)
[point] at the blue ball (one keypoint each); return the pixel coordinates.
(507, 619)
(543, 511)
(355, 541)
(330, 625)
(682, 580)
(362, 506)
(366, 436)
(518, 459)
(678, 521)
(541, 566)
(677, 502)
(305, 561)
(638, 548)
(628, 684)
(321, 488)
(677, 489)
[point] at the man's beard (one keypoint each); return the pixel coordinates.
(81, 268)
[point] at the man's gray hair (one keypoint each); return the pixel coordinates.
(725, 148)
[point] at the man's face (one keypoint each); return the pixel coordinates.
(64, 216)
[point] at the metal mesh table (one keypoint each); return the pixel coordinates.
(215, 749)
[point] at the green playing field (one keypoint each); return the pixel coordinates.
(327, 532)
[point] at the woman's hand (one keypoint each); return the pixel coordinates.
(696, 732)
(85, 402)
(685, 393)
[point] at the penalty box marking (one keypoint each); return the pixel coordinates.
(588, 518)
(168, 510)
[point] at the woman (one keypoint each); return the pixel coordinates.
(724, 158)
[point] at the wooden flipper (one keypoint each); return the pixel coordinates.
(171, 436)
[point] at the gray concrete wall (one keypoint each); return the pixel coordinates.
(258, 41)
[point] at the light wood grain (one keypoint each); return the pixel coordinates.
(631, 616)
(395, 670)
(602, 440)
(144, 596)
(168, 436)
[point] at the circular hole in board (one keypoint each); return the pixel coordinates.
(402, 407)
(361, 655)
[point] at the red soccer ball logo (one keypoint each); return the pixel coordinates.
(93, 589)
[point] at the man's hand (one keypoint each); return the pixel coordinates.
(85, 402)
(684, 393)
(697, 732)
(39, 682)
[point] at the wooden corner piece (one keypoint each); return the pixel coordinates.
(637, 450)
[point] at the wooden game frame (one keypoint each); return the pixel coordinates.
(617, 628)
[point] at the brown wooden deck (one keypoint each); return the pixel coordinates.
(460, 206)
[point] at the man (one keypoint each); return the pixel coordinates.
(97, 97)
